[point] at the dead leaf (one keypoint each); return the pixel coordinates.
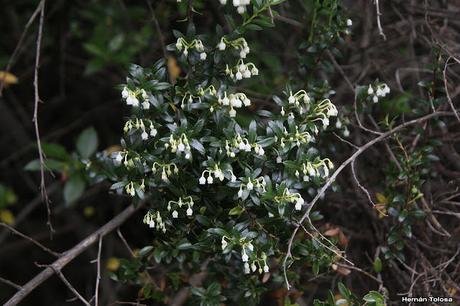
(6, 216)
(113, 264)
(8, 78)
(266, 277)
(343, 240)
(381, 198)
(340, 301)
(114, 148)
(343, 270)
(173, 69)
(332, 232)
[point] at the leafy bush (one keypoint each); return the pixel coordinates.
(223, 194)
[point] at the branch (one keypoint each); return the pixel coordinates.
(70, 255)
(41, 246)
(379, 25)
(98, 277)
(35, 117)
(10, 283)
(19, 45)
(28, 209)
(449, 99)
(71, 288)
(157, 29)
(331, 179)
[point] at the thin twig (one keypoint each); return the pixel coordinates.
(28, 209)
(361, 271)
(337, 66)
(324, 245)
(98, 277)
(379, 25)
(359, 184)
(41, 246)
(449, 98)
(35, 118)
(157, 28)
(331, 179)
(71, 288)
(19, 45)
(355, 106)
(146, 273)
(345, 141)
(10, 283)
(125, 242)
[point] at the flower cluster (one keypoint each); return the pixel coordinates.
(319, 168)
(131, 188)
(154, 220)
(251, 262)
(174, 205)
(377, 91)
(325, 110)
(301, 103)
(241, 70)
(217, 173)
(238, 44)
(233, 101)
(297, 138)
(132, 97)
(242, 144)
(257, 184)
(183, 46)
(287, 196)
(179, 145)
(166, 170)
(139, 124)
(239, 4)
(119, 157)
(341, 124)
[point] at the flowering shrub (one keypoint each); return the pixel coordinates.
(219, 191)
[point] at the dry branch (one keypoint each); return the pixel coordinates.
(70, 255)
(331, 179)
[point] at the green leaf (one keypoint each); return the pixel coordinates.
(344, 290)
(145, 250)
(217, 231)
(184, 245)
(236, 211)
(374, 297)
(378, 265)
(197, 146)
(87, 142)
(73, 189)
(252, 131)
(315, 268)
(54, 150)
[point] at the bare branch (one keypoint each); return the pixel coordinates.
(157, 28)
(71, 255)
(35, 117)
(449, 98)
(19, 45)
(331, 179)
(41, 246)
(10, 283)
(98, 277)
(71, 288)
(359, 184)
(379, 25)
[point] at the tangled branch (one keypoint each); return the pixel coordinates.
(351, 159)
(70, 255)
